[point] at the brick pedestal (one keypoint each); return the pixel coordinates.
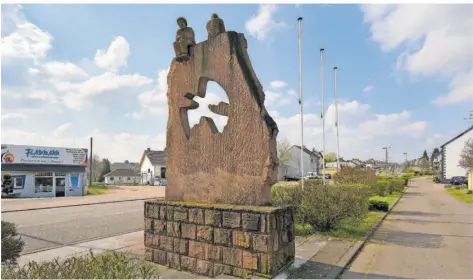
(214, 239)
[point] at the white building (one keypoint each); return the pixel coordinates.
(45, 171)
(152, 165)
(292, 166)
(122, 176)
(451, 155)
(342, 164)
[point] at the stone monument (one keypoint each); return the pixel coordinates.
(216, 218)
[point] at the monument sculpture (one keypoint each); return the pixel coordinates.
(185, 38)
(216, 218)
(215, 26)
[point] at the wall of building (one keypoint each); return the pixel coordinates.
(122, 179)
(28, 188)
(292, 167)
(145, 176)
(452, 156)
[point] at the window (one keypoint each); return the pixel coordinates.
(111, 178)
(43, 182)
(18, 181)
(128, 178)
(60, 174)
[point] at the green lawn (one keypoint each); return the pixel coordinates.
(348, 229)
(97, 189)
(461, 194)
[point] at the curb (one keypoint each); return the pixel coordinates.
(358, 246)
(82, 204)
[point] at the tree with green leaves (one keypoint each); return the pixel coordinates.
(330, 157)
(433, 158)
(425, 156)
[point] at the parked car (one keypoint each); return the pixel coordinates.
(311, 175)
(459, 180)
(292, 178)
(327, 176)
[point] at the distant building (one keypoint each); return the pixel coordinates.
(292, 167)
(122, 176)
(152, 165)
(451, 155)
(125, 165)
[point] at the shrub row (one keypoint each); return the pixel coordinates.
(378, 205)
(324, 207)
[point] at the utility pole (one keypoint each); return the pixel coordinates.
(301, 103)
(470, 117)
(91, 160)
(386, 149)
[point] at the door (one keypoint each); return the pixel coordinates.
(60, 186)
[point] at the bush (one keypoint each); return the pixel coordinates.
(324, 207)
(288, 195)
(12, 245)
(350, 175)
(110, 265)
(397, 185)
(381, 187)
(378, 205)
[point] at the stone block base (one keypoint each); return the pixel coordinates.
(213, 239)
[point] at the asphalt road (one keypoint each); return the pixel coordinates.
(49, 228)
(429, 235)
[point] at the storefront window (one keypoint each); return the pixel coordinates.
(43, 182)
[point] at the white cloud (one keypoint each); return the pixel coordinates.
(24, 40)
(362, 132)
(63, 70)
(115, 56)
(11, 116)
(277, 84)
(154, 101)
(369, 88)
(434, 40)
(62, 130)
(261, 24)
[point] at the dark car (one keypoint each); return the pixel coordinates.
(291, 178)
(459, 180)
(327, 176)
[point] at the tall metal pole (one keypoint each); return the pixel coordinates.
(91, 160)
(386, 149)
(336, 115)
(323, 108)
(301, 103)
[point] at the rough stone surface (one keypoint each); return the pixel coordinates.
(217, 239)
(237, 165)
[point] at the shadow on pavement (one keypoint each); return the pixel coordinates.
(414, 213)
(413, 221)
(408, 239)
(407, 194)
(317, 270)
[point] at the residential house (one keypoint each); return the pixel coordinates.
(311, 161)
(122, 176)
(125, 165)
(152, 165)
(357, 162)
(333, 165)
(451, 155)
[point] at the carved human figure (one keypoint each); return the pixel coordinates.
(215, 26)
(185, 37)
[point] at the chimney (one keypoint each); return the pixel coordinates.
(149, 149)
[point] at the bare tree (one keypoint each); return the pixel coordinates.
(466, 156)
(96, 167)
(284, 152)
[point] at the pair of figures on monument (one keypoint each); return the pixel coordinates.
(185, 36)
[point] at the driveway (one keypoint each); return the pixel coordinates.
(113, 195)
(428, 235)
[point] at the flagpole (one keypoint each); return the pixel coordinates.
(323, 109)
(335, 70)
(301, 102)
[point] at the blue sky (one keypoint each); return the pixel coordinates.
(74, 71)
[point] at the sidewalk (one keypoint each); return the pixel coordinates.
(309, 251)
(114, 195)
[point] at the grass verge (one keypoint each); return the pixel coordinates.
(461, 194)
(96, 189)
(348, 229)
(110, 265)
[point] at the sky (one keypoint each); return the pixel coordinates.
(405, 74)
